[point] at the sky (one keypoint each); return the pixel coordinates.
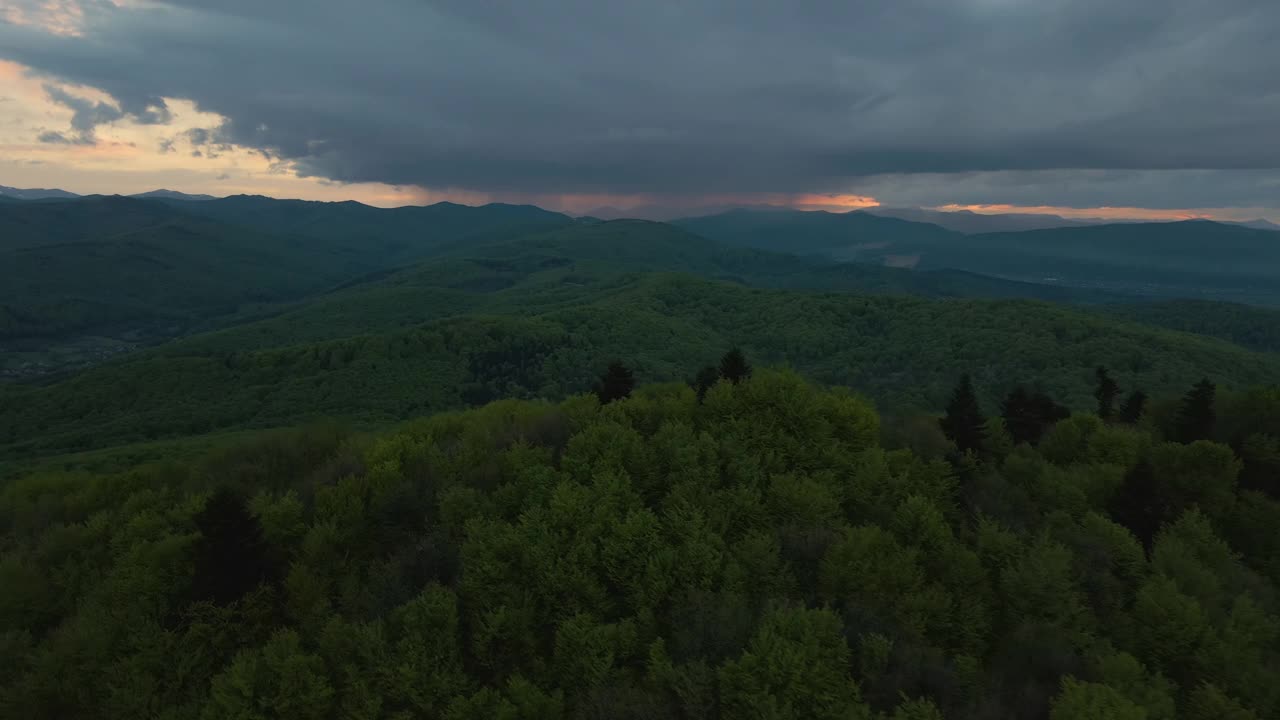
(1163, 109)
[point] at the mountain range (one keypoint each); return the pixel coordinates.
(964, 221)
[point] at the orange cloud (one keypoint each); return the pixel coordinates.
(56, 17)
(1113, 213)
(835, 202)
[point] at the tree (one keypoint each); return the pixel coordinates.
(1086, 701)
(964, 423)
(230, 557)
(1139, 505)
(734, 367)
(1028, 415)
(1132, 408)
(616, 383)
(1106, 393)
(797, 666)
(706, 379)
(1196, 415)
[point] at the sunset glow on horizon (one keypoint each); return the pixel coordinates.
(124, 156)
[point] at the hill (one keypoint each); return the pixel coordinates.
(580, 264)
(84, 278)
(969, 222)
(392, 235)
(541, 339)
(849, 236)
(1195, 259)
(173, 195)
(104, 265)
(1249, 326)
(12, 193)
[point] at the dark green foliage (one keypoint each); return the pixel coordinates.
(155, 268)
(1192, 259)
(1196, 416)
(1139, 503)
(706, 379)
(230, 557)
(616, 383)
(1256, 328)
(734, 367)
(1132, 408)
(964, 423)
(1106, 393)
(1027, 415)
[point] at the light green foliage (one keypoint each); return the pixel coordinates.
(1208, 701)
(919, 709)
(795, 667)
(1067, 441)
(279, 680)
(1089, 701)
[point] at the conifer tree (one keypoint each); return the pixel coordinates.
(1028, 415)
(706, 379)
(1138, 504)
(231, 556)
(1196, 415)
(734, 367)
(1132, 408)
(616, 383)
(964, 423)
(1106, 393)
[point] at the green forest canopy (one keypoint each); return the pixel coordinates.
(760, 553)
(903, 352)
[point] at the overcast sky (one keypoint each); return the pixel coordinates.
(1172, 106)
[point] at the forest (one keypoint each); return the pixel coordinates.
(746, 544)
(496, 462)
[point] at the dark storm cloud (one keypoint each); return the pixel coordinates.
(712, 96)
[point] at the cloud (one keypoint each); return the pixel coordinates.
(1157, 103)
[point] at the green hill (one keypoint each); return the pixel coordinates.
(581, 264)
(85, 278)
(1249, 326)
(1192, 259)
(902, 351)
(851, 235)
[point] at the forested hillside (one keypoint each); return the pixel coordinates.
(746, 549)
(151, 268)
(1191, 259)
(545, 337)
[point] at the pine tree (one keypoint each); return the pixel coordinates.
(964, 423)
(616, 383)
(1106, 393)
(1138, 504)
(1132, 408)
(706, 379)
(734, 367)
(1196, 415)
(1027, 415)
(231, 556)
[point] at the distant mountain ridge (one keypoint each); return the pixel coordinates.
(1194, 259)
(34, 193)
(173, 195)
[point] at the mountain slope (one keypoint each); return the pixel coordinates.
(905, 351)
(1191, 259)
(848, 235)
(13, 193)
(151, 267)
(582, 263)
